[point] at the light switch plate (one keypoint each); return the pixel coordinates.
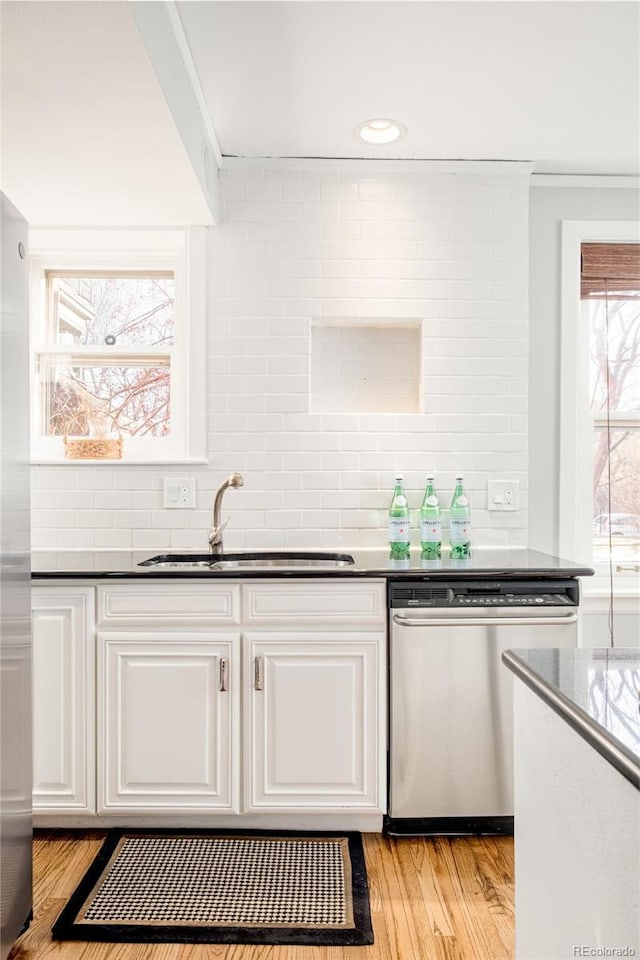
(503, 495)
(179, 493)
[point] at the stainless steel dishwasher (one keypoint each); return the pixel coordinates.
(450, 711)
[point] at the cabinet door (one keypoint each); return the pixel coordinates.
(63, 700)
(167, 718)
(316, 720)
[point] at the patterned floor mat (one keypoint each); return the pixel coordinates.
(222, 887)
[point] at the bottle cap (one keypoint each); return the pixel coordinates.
(429, 476)
(399, 476)
(459, 476)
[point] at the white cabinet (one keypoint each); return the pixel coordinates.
(168, 603)
(313, 720)
(168, 703)
(63, 700)
(211, 698)
(315, 716)
(166, 721)
(595, 616)
(348, 604)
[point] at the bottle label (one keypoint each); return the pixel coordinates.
(462, 500)
(400, 500)
(431, 530)
(432, 501)
(460, 529)
(399, 529)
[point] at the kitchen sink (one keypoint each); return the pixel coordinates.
(179, 562)
(247, 561)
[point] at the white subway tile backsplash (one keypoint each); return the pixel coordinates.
(162, 520)
(285, 441)
(283, 519)
(358, 441)
(300, 191)
(91, 478)
(58, 477)
(286, 404)
(53, 518)
(342, 230)
(187, 540)
(43, 538)
(360, 210)
(150, 539)
(321, 480)
(116, 539)
(340, 499)
(342, 192)
(59, 499)
(94, 519)
(113, 499)
(131, 519)
(448, 253)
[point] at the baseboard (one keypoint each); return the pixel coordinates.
(447, 826)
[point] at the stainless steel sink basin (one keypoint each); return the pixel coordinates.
(185, 564)
(247, 561)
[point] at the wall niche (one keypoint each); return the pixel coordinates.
(366, 366)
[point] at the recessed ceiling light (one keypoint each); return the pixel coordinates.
(380, 131)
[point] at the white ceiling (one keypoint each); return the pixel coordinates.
(556, 83)
(88, 138)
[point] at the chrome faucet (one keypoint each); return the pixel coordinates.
(215, 533)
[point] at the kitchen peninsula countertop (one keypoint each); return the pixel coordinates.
(596, 692)
(485, 563)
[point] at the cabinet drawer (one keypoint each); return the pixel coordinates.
(343, 602)
(169, 603)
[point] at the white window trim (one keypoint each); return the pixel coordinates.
(576, 454)
(180, 250)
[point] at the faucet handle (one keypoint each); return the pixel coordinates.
(215, 533)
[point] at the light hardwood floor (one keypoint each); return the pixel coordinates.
(431, 899)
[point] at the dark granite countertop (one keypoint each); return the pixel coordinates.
(485, 562)
(597, 692)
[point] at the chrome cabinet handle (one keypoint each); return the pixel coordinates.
(224, 674)
(628, 568)
(258, 680)
(483, 621)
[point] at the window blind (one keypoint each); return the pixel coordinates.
(611, 268)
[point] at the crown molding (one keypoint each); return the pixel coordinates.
(507, 168)
(585, 180)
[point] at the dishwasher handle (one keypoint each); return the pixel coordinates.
(483, 621)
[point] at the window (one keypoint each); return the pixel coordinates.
(600, 398)
(610, 295)
(117, 344)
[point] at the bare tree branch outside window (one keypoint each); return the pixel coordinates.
(123, 384)
(615, 397)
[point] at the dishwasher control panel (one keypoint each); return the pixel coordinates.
(483, 593)
(551, 599)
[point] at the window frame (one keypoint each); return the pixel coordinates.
(181, 251)
(575, 482)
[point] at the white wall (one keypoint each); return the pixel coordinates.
(549, 207)
(447, 249)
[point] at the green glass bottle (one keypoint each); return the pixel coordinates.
(460, 522)
(399, 524)
(430, 523)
